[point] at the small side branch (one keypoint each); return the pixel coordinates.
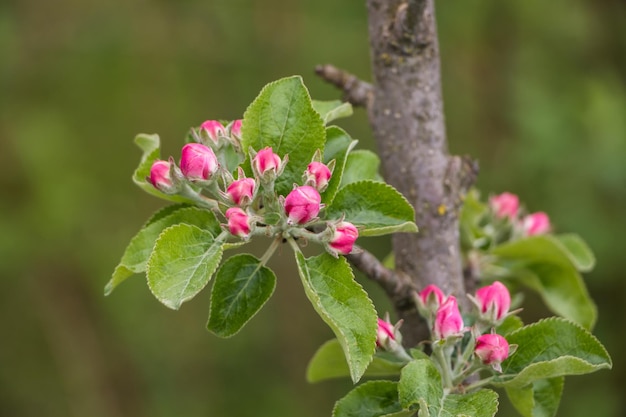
(355, 91)
(397, 286)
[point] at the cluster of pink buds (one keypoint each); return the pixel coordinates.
(246, 201)
(507, 206)
(446, 323)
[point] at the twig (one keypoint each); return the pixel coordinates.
(356, 91)
(397, 286)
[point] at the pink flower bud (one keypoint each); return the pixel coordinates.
(235, 128)
(494, 301)
(160, 176)
(317, 175)
(536, 224)
(505, 205)
(238, 222)
(343, 239)
(198, 162)
(241, 191)
(265, 161)
(448, 320)
(432, 297)
(302, 204)
(492, 349)
(384, 333)
(213, 129)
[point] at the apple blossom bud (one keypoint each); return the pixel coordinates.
(536, 224)
(241, 191)
(235, 128)
(213, 129)
(492, 349)
(343, 239)
(317, 175)
(302, 204)
(432, 297)
(266, 162)
(448, 320)
(384, 334)
(238, 222)
(198, 162)
(160, 176)
(494, 302)
(505, 205)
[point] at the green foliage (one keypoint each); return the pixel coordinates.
(136, 255)
(283, 117)
(332, 109)
(329, 362)
(242, 286)
(539, 399)
(551, 348)
(547, 265)
(361, 165)
(182, 263)
(338, 148)
(420, 385)
(375, 207)
(371, 399)
(343, 304)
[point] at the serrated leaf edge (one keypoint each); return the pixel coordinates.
(148, 267)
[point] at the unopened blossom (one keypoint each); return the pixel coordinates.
(317, 175)
(241, 191)
(432, 297)
(238, 222)
(505, 205)
(494, 301)
(343, 240)
(384, 333)
(302, 204)
(492, 349)
(448, 320)
(160, 176)
(266, 162)
(536, 224)
(213, 129)
(198, 162)
(235, 128)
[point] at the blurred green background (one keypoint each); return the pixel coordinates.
(536, 90)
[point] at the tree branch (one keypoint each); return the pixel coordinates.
(397, 286)
(406, 114)
(356, 92)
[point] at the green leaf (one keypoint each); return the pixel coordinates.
(343, 304)
(282, 117)
(150, 145)
(182, 263)
(551, 348)
(539, 399)
(332, 109)
(420, 384)
(242, 286)
(374, 207)
(140, 247)
(543, 264)
(330, 362)
(338, 147)
(371, 399)
(361, 165)
(577, 251)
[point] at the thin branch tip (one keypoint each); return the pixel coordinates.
(356, 91)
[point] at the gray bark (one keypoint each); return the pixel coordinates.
(406, 114)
